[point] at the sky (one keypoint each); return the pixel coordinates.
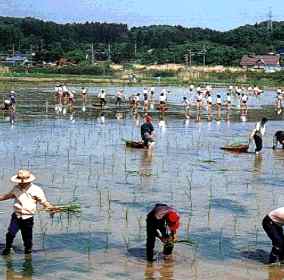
(215, 14)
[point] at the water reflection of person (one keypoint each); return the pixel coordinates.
(165, 272)
(258, 164)
(275, 273)
(147, 158)
(26, 272)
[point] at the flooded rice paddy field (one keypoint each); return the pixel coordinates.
(222, 197)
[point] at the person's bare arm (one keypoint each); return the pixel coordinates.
(6, 196)
(50, 207)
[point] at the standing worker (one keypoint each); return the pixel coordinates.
(162, 222)
(272, 224)
(257, 134)
(26, 196)
(147, 131)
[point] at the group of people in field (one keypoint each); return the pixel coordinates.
(162, 221)
(9, 105)
(66, 96)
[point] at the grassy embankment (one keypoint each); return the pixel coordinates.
(151, 75)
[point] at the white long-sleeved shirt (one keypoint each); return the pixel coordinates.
(26, 200)
(258, 128)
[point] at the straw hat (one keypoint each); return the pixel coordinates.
(23, 176)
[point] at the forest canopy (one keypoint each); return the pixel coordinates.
(79, 42)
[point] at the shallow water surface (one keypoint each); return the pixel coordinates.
(222, 197)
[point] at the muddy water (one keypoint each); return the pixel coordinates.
(222, 198)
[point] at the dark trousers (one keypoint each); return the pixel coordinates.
(26, 228)
(275, 233)
(152, 226)
(118, 101)
(258, 142)
(102, 102)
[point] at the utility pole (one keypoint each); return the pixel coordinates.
(135, 49)
(186, 60)
(109, 52)
(204, 51)
(13, 49)
(190, 58)
(93, 53)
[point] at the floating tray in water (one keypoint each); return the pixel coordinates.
(134, 144)
(242, 148)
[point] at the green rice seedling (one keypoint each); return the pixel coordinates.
(74, 192)
(107, 241)
(187, 228)
(126, 241)
(100, 199)
(69, 208)
(126, 215)
(139, 220)
(221, 241)
(109, 199)
(235, 224)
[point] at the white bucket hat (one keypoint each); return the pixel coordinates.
(23, 176)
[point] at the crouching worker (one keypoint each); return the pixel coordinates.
(26, 196)
(147, 131)
(278, 138)
(272, 224)
(162, 222)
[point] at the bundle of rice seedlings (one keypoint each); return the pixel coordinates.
(69, 207)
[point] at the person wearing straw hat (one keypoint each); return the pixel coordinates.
(162, 222)
(26, 196)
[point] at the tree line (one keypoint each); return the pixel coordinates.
(84, 42)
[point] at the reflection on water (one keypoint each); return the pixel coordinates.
(163, 271)
(275, 273)
(258, 163)
(25, 272)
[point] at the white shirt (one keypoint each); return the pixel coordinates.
(163, 98)
(277, 215)
(119, 94)
(258, 128)
(102, 94)
(228, 98)
(186, 103)
(219, 100)
(244, 98)
(64, 88)
(27, 199)
(209, 99)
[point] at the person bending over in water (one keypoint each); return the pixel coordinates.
(147, 131)
(272, 224)
(278, 137)
(257, 134)
(162, 222)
